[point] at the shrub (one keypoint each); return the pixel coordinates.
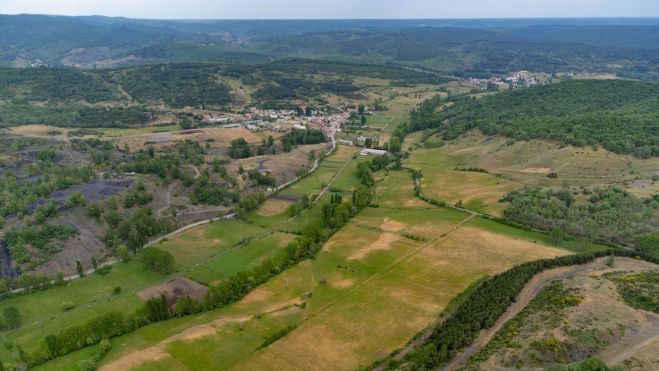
(87, 365)
(158, 261)
(648, 244)
(610, 260)
(277, 335)
(67, 305)
(104, 270)
(123, 253)
(104, 346)
(12, 317)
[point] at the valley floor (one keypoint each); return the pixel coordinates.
(377, 282)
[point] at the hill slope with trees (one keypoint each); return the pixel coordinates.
(622, 116)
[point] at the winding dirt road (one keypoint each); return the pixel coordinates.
(532, 288)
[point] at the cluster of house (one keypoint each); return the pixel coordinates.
(280, 120)
(328, 122)
(522, 79)
(254, 125)
(283, 120)
(519, 79)
(272, 114)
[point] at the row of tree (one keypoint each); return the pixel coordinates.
(483, 307)
(157, 309)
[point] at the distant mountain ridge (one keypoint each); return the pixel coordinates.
(461, 47)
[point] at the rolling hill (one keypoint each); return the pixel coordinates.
(458, 47)
(619, 115)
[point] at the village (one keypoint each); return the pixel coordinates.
(330, 122)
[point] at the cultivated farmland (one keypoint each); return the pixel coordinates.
(385, 265)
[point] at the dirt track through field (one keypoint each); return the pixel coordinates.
(168, 200)
(530, 290)
(156, 351)
(388, 268)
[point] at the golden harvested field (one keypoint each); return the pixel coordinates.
(41, 131)
(220, 137)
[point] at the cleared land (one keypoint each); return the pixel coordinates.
(174, 289)
(216, 137)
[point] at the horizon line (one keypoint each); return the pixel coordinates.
(342, 19)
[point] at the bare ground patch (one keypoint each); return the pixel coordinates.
(132, 360)
(390, 225)
(342, 283)
(273, 207)
(284, 167)
(384, 242)
(174, 289)
(536, 170)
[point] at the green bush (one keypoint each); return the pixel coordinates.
(648, 244)
(104, 346)
(87, 365)
(67, 305)
(12, 317)
(157, 261)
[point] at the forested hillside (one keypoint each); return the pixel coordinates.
(134, 96)
(622, 116)
(458, 47)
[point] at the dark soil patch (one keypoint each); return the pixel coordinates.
(175, 289)
(289, 198)
(94, 191)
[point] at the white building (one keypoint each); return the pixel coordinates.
(373, 152)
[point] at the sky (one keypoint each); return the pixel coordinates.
(331, 9)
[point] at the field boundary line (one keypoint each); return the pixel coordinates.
(380, 273)
(390, 267)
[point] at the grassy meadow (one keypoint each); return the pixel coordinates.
(208, 254)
